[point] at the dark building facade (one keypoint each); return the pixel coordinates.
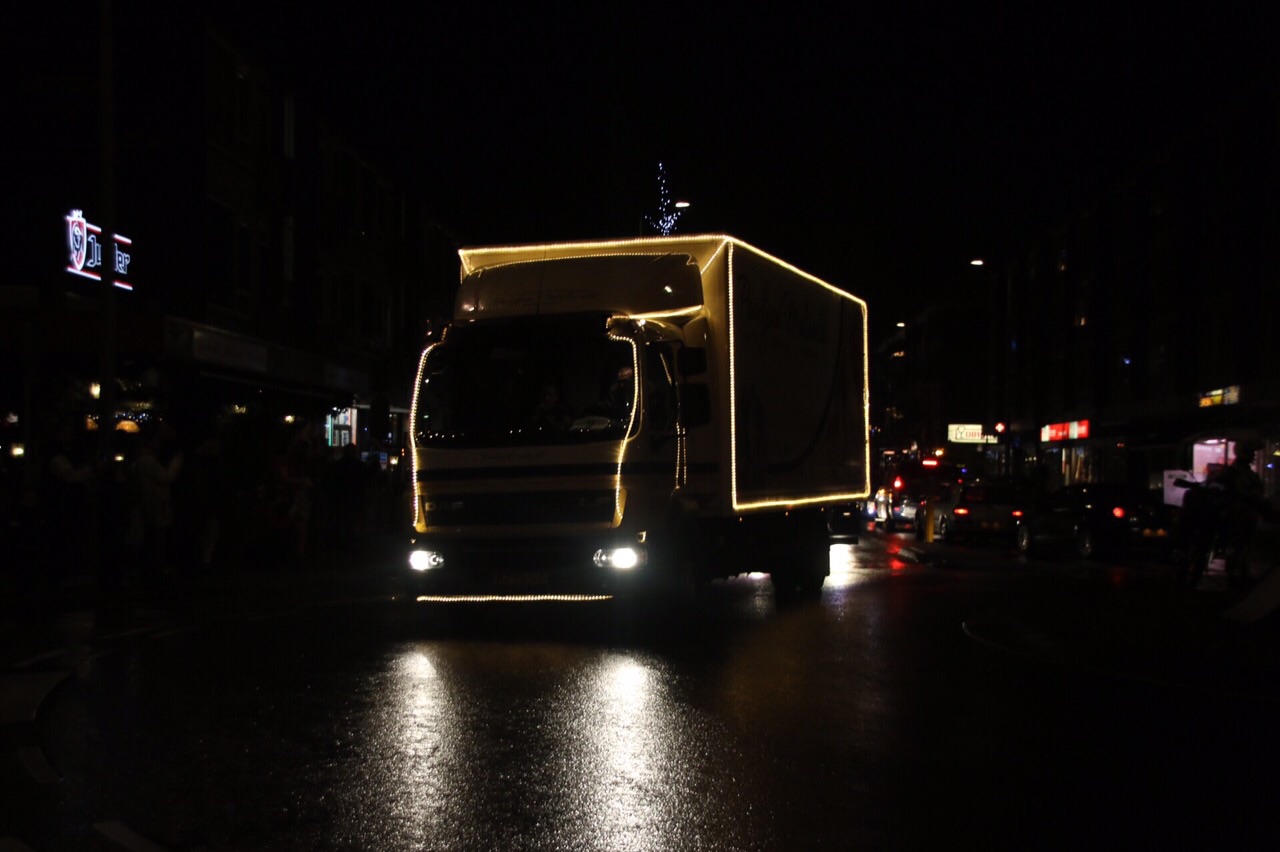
(200, 250)
(273, 268)
(1152, 314)
(1136, 337)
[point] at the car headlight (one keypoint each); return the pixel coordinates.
(619, 558)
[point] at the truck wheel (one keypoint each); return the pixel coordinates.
(683, 574)
(690, 581)
(806, 572)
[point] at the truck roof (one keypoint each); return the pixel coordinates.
(703, 248)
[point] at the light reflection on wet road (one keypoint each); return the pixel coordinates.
(863, 720)
(505, 745)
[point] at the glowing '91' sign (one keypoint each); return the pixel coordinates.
(84, 252)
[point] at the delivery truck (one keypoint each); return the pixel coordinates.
(604, 418)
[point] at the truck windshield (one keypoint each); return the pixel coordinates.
(526, 384)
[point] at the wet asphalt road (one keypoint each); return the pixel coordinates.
(868, 719)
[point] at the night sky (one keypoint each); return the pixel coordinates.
(878, 149)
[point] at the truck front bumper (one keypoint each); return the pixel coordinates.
(442, 570)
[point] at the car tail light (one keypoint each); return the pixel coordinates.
(1017, 513)
(897, 482)
(960, 510)
(1117, 512)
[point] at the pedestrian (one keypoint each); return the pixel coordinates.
(156, 469)
(347, 482)
(294, 476)
(115, 512)
(68, 507)
(1245, 506)
(206, 491)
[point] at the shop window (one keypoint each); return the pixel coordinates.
(339, 427)
(1208, 456)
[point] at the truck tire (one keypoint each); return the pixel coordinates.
(804, 573)
(685, 560)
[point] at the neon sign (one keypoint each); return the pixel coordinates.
(84, 252)
(1072, 431)
(966, 433)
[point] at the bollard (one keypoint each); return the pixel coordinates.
(928, 521)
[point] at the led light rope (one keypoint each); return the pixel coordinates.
(413, 433)
(709, 246)
(510, 598)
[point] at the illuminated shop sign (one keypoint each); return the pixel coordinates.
(1065, 431)
(85, 252)
(965, 433)
(1229, 395)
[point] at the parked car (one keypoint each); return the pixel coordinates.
(975, 509)
(907, 485)
(1093, 519)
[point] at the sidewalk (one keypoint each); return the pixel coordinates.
(36, 626)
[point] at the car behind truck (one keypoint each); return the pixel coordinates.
(601, 418)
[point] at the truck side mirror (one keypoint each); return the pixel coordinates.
(695, 405)
(691, 360)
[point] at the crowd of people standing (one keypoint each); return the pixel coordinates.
(159, 508)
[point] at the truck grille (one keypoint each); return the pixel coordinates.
(530, 507)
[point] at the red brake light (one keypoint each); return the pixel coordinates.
(928, 462)
(1117, 512)
(1017, 513)
(960, 510)
(897, 482)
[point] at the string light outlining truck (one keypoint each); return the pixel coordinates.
(604, 418)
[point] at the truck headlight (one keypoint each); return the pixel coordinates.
(425, 560)
(619, 558)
